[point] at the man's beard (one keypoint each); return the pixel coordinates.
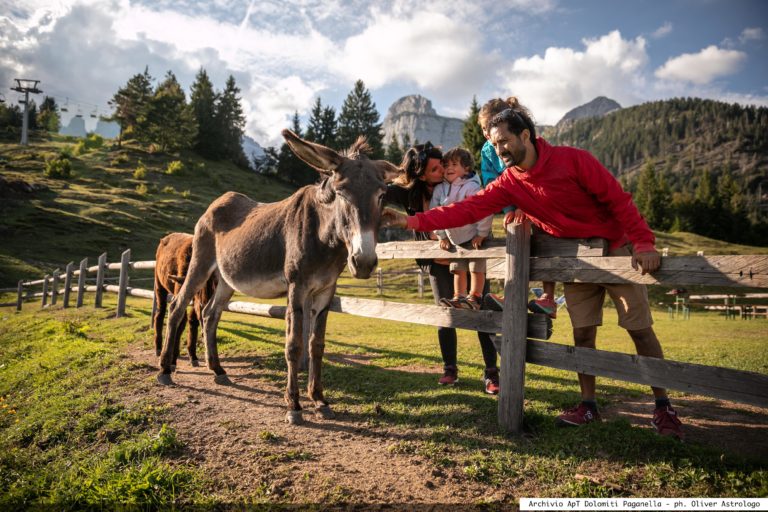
(514, 159)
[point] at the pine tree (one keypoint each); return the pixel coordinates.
(328, 128)
(231, 122)
(315, 119)
(394, 153)
(472, 137)
(48, 117)
(359, 117)
(131, 103)
(202, 101)
(171, 122)
(290, 167)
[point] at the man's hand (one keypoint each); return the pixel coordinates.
(514, 217)
(445, 244)
(649, 262)
(477, 241)
(392, 218)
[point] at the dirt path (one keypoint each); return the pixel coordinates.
(238, 434)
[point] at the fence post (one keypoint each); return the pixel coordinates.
(125, 266)
(515, 327)
(55, 287)
(19, 295)
(45, 290)
(379, 281)
(81, 282)
(421, 283)
(67, 283)
(100, 279)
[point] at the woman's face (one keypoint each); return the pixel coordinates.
(434, 172)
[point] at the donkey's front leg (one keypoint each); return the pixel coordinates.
(294, 320)
(319, 319)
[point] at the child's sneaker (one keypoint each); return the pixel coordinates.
(491, 381)
(471, 302)
(455, 302)
(493, 302)
(450, 376)
(579, 415)
(545, 306)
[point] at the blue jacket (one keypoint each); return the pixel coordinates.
(491, 167)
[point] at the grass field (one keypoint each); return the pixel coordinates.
(71, 437)
(82, 423)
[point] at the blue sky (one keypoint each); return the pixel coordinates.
(553, 54)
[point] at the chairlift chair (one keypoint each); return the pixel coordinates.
(2, 98)
(79, 112)
(94, 114)
(65, 107)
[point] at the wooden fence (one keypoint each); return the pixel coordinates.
(518, 260)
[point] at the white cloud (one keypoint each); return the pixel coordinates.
(428, 49)
(702, 67)
(662, 31)
(564, 78)
(751, 34)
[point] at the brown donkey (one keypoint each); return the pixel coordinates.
(296, 247)
(171, 263)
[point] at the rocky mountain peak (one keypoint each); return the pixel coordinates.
(413, 104)
(413, 118)
(595, 108)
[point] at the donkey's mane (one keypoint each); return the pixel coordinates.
(359, 147)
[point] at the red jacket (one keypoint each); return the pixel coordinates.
(568, 194)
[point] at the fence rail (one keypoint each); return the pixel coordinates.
(520, 259)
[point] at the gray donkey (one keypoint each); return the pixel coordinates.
(296, 247)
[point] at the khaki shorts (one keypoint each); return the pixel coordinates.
(474, 265)
(585, 301)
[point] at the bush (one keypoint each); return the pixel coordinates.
(185, 194)
(94, 140)
(175, 167)
(119, 160)
(142, 189)
(140, 173)
(80, 148)
(58, 168)
(169, 190)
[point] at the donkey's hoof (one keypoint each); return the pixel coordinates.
(222, 380)
(325, 412)
(165, 379)
(195, 363)
(294, 418)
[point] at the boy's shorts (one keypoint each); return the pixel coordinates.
(473, 265)
(585, 301)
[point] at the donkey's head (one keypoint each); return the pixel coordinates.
(355, 185)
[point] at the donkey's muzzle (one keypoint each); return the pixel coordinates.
(361, 266)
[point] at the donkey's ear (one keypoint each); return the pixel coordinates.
(390, 170)
(322, 158)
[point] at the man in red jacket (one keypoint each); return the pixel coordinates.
(567, 193)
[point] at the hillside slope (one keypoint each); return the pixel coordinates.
(106, 205)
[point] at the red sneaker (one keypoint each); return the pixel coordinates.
(667, 423)
(579, 415)
(544, 305)
(493, 302)
(491, 381)
(450, 376)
